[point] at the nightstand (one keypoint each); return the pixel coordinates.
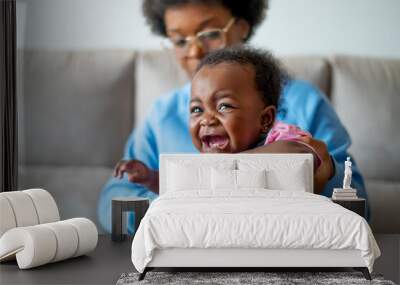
(356, 205)
(120, 205)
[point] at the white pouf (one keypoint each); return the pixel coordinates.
(40, 244)
(31, 231)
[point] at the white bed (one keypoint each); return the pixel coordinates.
(201, 219)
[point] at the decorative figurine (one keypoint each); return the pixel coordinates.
(346, 192)
(347, 174)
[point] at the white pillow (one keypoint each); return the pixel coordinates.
(281, 174)
(225, 179)
(183, 175)
(251, 178)
(295, 179)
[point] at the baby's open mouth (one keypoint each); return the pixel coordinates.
(213, 143)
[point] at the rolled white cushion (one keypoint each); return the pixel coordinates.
(40, 244)
(23, 208)
(45, 205)
(67, 240)
(87, 233)
(33, 246)
(7, 218)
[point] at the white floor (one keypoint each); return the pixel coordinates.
(389, 262)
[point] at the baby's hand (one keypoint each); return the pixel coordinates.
(136, 170)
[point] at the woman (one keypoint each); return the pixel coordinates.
(196, 27)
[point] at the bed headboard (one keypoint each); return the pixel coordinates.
(277, 162)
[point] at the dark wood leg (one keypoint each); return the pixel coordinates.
(140, 211)
(116, 222)
(364, 271)
(143, 274)
(138, 218)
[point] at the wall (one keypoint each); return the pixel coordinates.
(361, 27)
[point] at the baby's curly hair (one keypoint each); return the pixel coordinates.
(253, 11)
(270, 77)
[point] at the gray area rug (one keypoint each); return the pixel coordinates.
(226, 278)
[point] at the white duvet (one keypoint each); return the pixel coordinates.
(250, 219)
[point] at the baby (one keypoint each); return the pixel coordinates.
(234, 98)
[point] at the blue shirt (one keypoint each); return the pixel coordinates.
(166, 130)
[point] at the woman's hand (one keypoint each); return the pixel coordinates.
(137, 172)
(326, 170)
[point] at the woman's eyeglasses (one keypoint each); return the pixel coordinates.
(208, 40)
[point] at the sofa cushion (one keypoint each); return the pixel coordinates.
(315, 70)
(366, 95)
(77, 107)
(75, 189)
(157, 73)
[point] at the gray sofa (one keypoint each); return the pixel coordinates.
(78, 108)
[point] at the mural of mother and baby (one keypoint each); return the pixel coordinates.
(239, 100)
